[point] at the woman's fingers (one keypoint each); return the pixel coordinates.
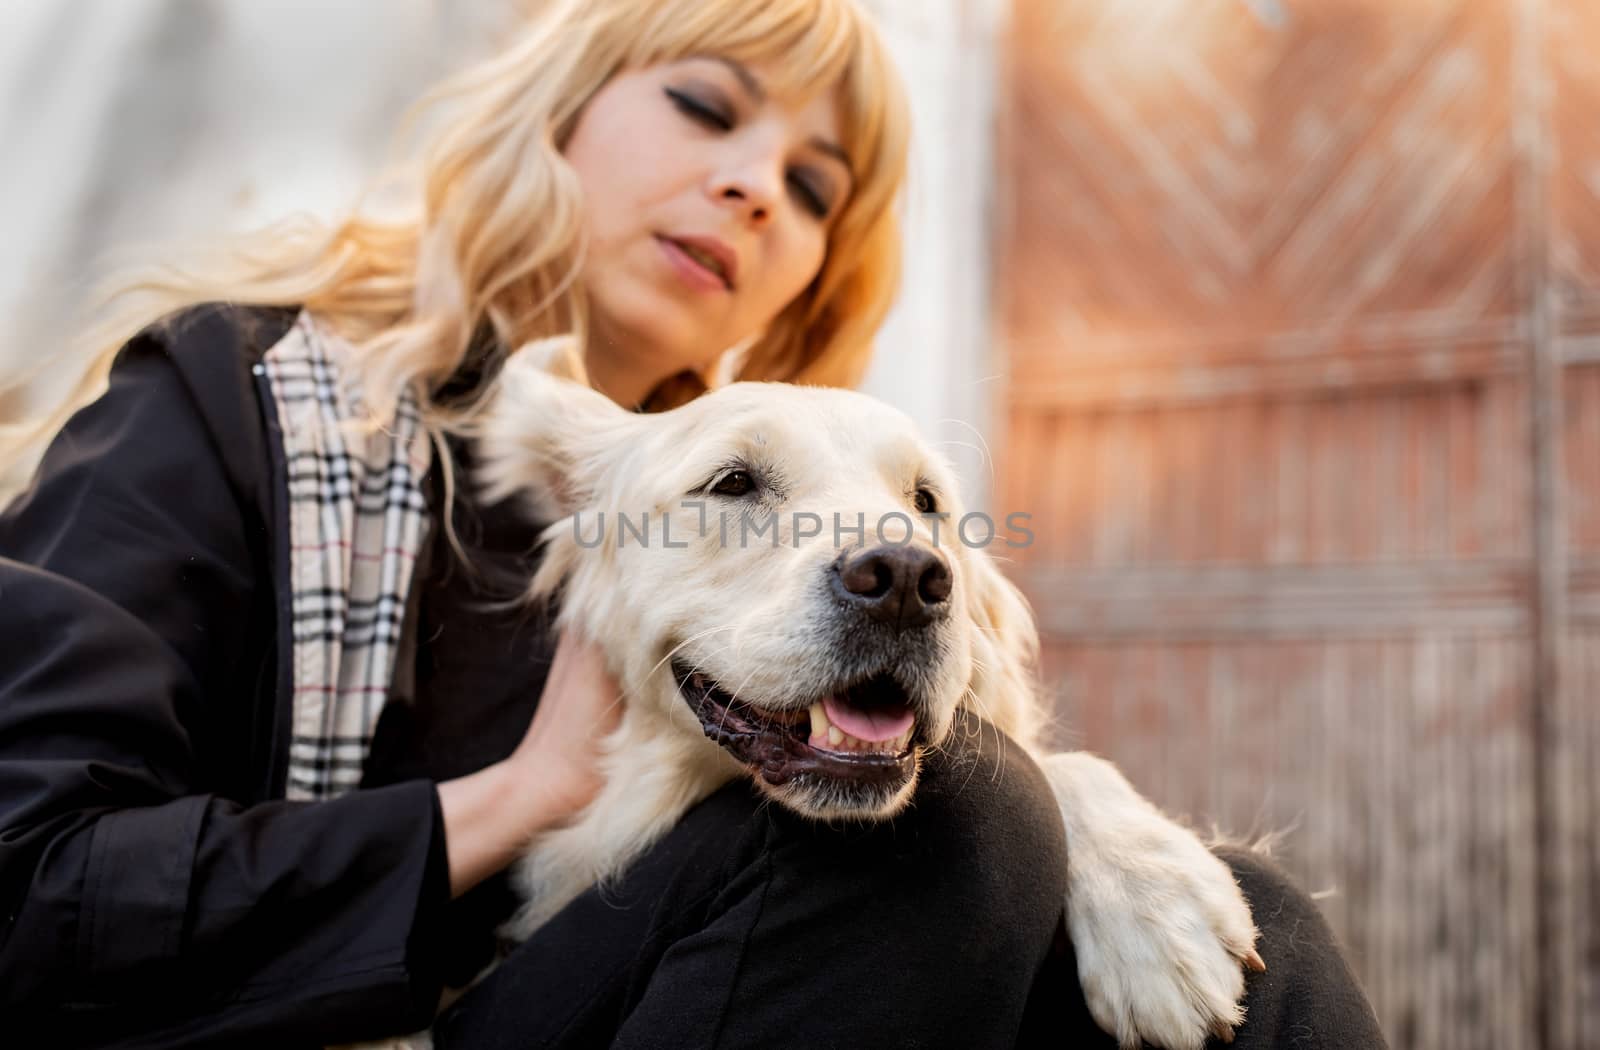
(490, 815)
(579, 706)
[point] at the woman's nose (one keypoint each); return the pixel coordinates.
(752, 188)
(753, 210)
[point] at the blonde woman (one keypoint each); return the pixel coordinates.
(264, 752)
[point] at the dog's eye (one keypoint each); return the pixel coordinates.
(925, 502)
(735, 483)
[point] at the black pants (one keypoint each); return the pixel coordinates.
(748, 927)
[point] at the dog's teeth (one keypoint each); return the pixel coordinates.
(824, 732)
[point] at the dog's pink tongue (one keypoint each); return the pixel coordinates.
(882, 723)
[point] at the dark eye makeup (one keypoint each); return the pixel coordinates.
(708, 113)
(809, 187)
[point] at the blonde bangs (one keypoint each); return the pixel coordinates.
(808, 46)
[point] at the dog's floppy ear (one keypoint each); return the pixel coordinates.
(1005, 651)
(540, 433)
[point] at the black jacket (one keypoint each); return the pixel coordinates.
(155, 889)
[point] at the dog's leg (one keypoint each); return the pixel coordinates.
(1160, 927)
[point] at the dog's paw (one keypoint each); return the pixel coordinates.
(1161, 943)
(1161, 929)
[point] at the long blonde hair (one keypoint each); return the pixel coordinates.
(497, 237)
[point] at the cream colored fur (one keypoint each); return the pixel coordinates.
(1158, 923)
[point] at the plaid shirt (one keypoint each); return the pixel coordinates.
(357, 521)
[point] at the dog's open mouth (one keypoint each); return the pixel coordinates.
(863, 734)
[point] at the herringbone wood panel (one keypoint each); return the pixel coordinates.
(1273, 280)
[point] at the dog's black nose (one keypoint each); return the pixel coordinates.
(905, 586)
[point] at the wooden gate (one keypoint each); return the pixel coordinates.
(1300, 305)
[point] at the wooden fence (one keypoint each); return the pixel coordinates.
(1300, 303)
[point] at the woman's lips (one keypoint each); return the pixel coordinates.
(691, 270)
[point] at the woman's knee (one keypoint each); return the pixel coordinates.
(980, 847)
(991, 800)
(1308, 985)
(979, 850)
(1275, 898)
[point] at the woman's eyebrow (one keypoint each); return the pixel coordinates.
(747, 78)
(834, 150)
(759, 93)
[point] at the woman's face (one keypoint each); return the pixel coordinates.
(707, 203)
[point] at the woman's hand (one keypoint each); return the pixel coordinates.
(558, 756)
(554, 772)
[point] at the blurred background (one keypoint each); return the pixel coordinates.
(1281, 317)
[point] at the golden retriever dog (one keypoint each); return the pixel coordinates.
(699, 548)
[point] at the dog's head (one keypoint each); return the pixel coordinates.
(775, 567)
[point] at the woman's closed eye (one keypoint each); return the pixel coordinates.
(812, 191)
(810, 187)
(704, 112)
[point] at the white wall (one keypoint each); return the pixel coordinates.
(132, 122)
(934, 358)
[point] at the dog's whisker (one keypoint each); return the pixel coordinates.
(742, 683)
(692, 638)
(988, 456)
(977, 702)
(976, 730)
(964, 444)
(696, 666)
